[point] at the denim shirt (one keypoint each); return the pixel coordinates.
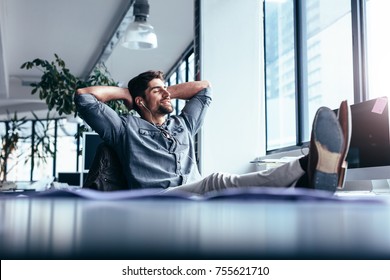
(151, 156)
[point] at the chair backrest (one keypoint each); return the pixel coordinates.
(106, 173)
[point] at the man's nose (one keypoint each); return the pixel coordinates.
(165, 93)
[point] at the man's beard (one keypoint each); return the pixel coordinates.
(165, 109)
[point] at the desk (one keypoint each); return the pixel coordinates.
(169, 228)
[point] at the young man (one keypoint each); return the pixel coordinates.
(157, 151)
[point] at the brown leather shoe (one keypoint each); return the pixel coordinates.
(325, 154)
(344, 117)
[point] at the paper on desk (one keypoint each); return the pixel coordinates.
(276, 160)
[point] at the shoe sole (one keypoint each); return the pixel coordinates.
(329, 140)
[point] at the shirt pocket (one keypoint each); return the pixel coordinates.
(180, 134)
(152, 139)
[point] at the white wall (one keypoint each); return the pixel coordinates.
(231, 56)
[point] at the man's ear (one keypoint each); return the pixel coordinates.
(139, 100)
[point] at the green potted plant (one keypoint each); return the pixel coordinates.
(58, 85)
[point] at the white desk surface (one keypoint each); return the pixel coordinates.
(173, 228)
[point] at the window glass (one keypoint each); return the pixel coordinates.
(66, 146)
(2, 136)
(191, 67)
(326, 57)
(172, 79)
(2, 129)
(43, 148)
(378, 46)
(280, 73)
(182, 71)
(317, 70)
(182, 74)
(19, 162)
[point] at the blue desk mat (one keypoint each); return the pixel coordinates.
(245, 193)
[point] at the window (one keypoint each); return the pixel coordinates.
(42, 149)
(27, 163)
(182, 72)
(378, 56)
(327, 77)
(309, 63)
(19, 162)
(280, 73)
(67, 158)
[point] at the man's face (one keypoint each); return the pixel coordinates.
(158, 99)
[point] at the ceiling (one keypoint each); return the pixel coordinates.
(79, 31)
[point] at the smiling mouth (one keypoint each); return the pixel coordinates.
(166, 102)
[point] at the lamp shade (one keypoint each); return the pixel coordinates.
(140, 35)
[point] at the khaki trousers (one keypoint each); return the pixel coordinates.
(285, 175)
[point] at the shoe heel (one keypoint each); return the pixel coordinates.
(325, 181)
(342, 174)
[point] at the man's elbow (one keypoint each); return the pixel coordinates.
(81, 90)
(206, 84)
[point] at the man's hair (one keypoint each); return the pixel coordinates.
(139, 84)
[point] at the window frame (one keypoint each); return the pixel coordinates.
(360, 76)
